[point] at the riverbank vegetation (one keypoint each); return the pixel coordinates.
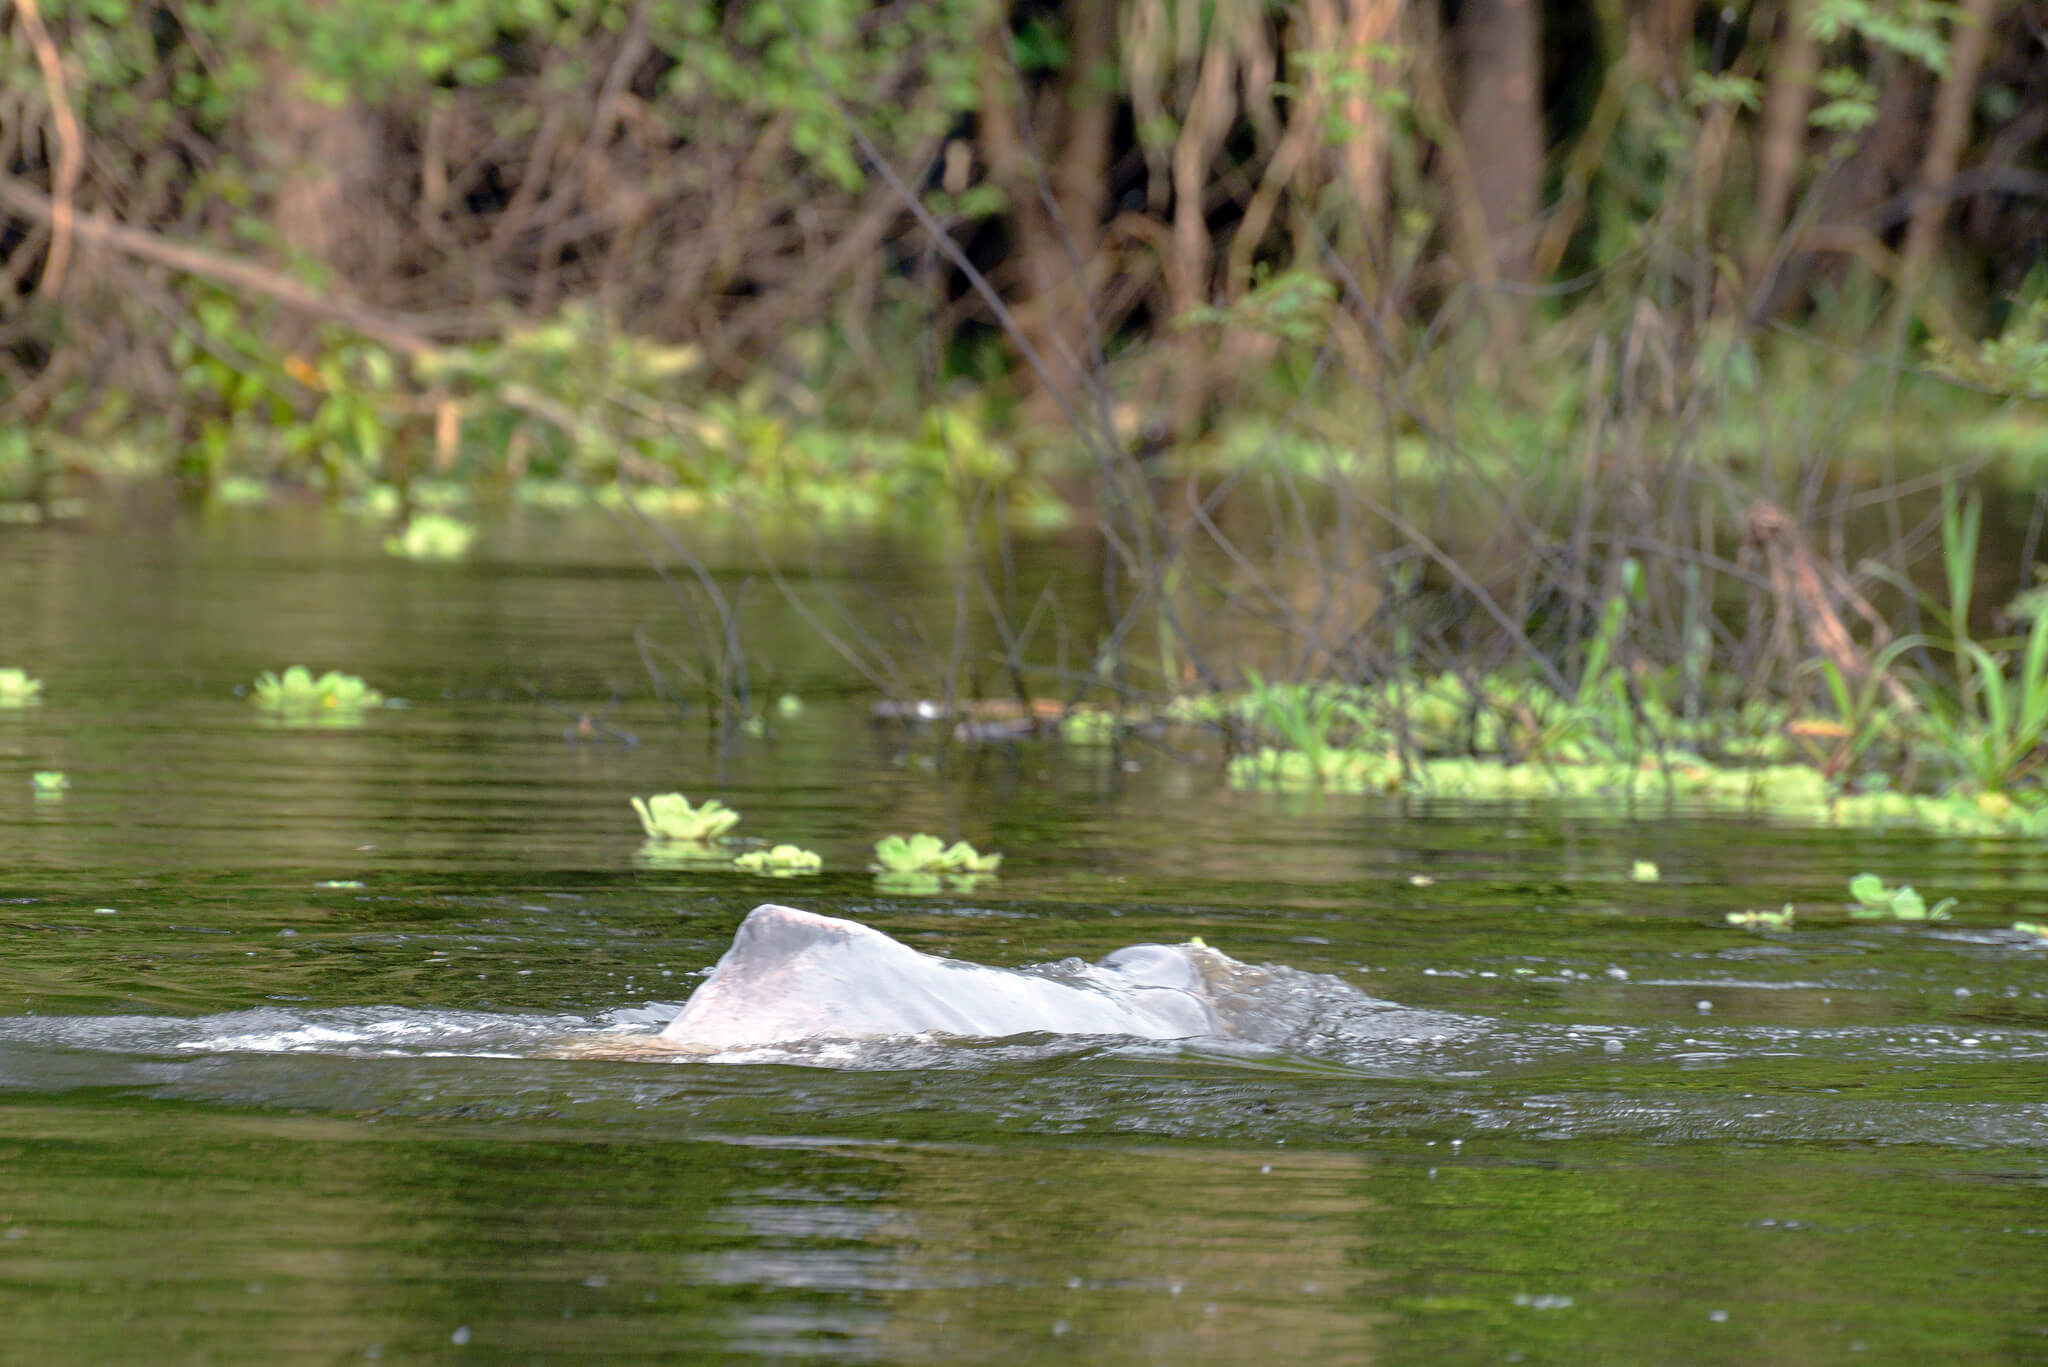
(1436, 397)
(767, 250)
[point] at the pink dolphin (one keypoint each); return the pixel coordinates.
(793, 975)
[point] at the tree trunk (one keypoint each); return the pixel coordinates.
(1500, 123)
(1054, 171)
(325, 163)
(1362, 31)
(1781, 145)
(1971, 37)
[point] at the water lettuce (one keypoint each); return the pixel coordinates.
(923, 853)
(1875, 901)
(782, 861)
(17, 689)
(432, 536)
(298, 696)
(669, 817)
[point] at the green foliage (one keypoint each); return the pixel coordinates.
(1304, 716)
(1911, 28)
(2035, 928)
(2014, 363)
(1791, 792)
(327, 414)
(1991, 719)
(782, 861)
(1644, 871)
(298, 697)
(1705, 88)
(49, 784)
(1875, 901)
(1863, 718)
(1293, 306)
(669, 817)
(18, 689)
(1780, 919)
(787, 61)
(587, 402)
(1914, 29)
(577, 389)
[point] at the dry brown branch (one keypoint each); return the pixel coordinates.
(1781, 144)
(1806, 590)
(70, 147)
(1945, 141)
(398, 334)
(855, 243)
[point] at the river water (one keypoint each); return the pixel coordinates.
(304, 1033)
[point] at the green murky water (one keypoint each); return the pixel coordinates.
(245, 1117)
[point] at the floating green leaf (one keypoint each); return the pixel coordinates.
(1780, 919)
(1874, 901)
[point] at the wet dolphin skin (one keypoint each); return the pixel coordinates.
(793, 975)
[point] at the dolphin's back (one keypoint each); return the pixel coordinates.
(794, 974)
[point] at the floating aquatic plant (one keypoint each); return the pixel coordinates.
(923, 853)
(782, 861)
(49, 783)
(680, 854)
(2037, 929)
(1090, 727)
(1780, 919)
(1644, 871)
(17, 689)
(296, 695)
(669, 817)
(432, 536)
(1874, 901)
(924, 863)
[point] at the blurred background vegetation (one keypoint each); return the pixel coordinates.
(802, 247)
(1379, 326)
